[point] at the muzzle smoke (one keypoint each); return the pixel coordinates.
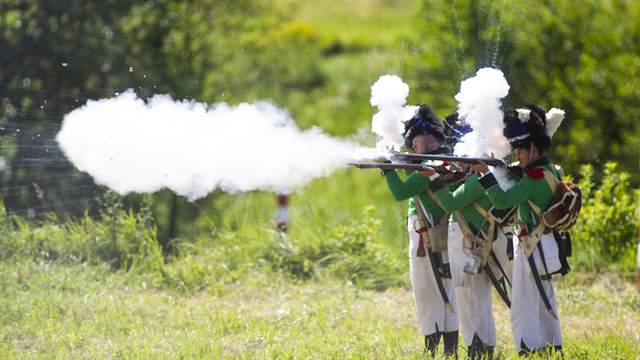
(389, 94)
(192, 149)
(479, 102)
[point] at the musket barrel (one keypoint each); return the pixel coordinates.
(385, 166)
(447, 173)
(468, 160)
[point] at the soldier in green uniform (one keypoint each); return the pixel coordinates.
(472, 288)
(424, 133)
(534, 320)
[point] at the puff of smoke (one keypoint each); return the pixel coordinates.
(503, 179)
(389, 94)
(132, 146)
(479, 102)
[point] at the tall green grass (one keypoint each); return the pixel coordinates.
(353, 233)
(67, 312)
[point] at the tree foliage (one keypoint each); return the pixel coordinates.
(582, 58)
(55, 55)
(63, 53)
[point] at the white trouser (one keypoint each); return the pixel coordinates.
(531, 323)
(432, 313)
(473, 293)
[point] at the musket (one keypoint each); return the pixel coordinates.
(513, 170)
(447, 158)
(441, 170)
(382, 166)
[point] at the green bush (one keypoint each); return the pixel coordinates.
(606, 233)
(345, 252)
(121, 238)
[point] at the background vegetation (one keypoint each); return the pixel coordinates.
(87, 273)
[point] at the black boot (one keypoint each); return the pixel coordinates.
(431, 342)
(490, 352)
(558, 349)
(451, 344)
(524, 350)
(478, 350)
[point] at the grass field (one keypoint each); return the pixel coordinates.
(50, 311)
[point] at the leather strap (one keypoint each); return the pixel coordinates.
(531, 240)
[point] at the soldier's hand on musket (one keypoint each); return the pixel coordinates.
(427, 171)
(481, 167)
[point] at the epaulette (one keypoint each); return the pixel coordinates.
(535, 173)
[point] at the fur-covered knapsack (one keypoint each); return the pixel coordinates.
(565, 206)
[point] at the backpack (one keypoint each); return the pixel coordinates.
(565, 206)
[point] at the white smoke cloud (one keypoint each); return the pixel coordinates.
(389, 94)
(479, 102)
(191, 148)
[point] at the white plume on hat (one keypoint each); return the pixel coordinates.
(554, 118)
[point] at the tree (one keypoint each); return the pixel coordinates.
(56, 55)
(583, 59)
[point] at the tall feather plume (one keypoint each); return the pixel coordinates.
(554, 118)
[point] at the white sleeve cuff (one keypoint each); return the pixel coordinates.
(433, 177)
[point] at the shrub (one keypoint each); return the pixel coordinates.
(121, 238)
(606, 233)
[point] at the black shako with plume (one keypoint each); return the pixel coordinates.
(425, 121)
(525, 125)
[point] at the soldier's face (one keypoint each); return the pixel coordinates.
(522, 155)
(419, 144)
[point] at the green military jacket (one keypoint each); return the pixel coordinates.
(462, 199)
(416, 184)
(532, 187)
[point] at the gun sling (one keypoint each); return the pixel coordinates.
(437, 270)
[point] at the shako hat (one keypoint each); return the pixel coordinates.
(425, 121)
(526, 124)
